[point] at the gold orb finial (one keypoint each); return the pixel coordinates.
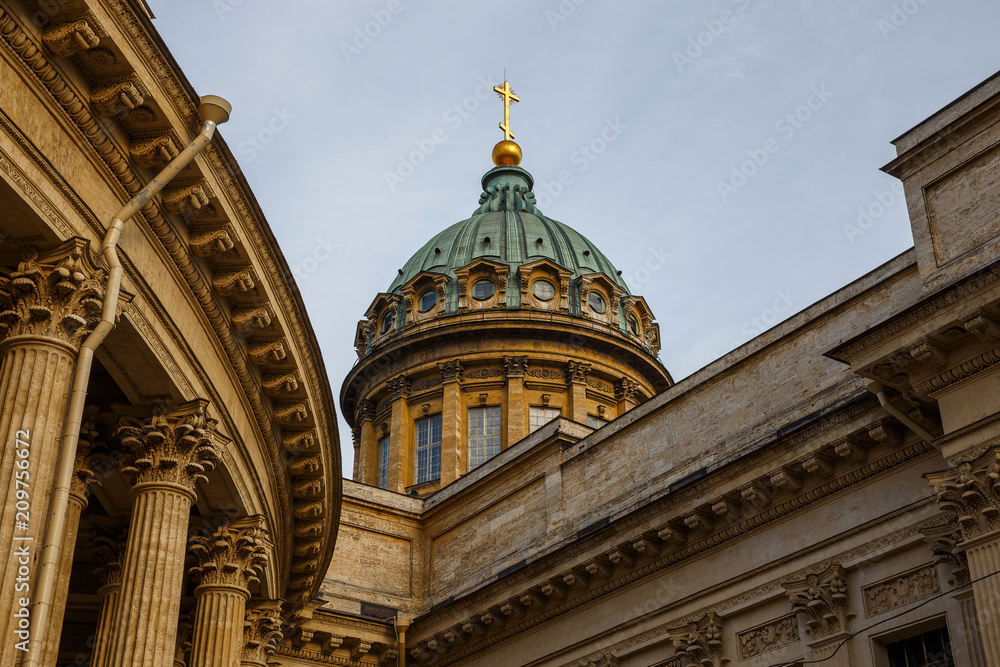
(506, 152)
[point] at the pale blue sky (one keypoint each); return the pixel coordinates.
(360, 148)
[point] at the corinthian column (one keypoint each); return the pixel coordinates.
(227, 561)
(173, 451)
(822, 599)
(261, 633)
(109, 548)
(91, 455)
(971, 490)
(47, 306)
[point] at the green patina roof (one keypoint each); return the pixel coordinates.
(508, 217)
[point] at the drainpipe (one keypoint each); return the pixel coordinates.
(401, 628)
(879, 391)
(214, 111)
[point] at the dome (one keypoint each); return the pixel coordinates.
(509, 229)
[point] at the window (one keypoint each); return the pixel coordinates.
(383, 462)
(428, 450)
(483, 289)
(596, 302)
(541, 416)
(484, 435)
(543, 290)
(387, 320)
(930, 649)
(427, 300)
(633, 325)
(595, 422)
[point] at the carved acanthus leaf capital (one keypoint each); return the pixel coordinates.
(700, 641)
(109, 551)
(945, 542)
(57, 294)
(232, 554)
(515, 366)
(451, 370)
(577, 371)
(177, 444)
(971, 491)
(626, 389)
(399, 387)
(262, 631)
(823, 599)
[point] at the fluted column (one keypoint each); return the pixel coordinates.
(109, 548)
(401, 458)
(173, 451)
(90, 453)
(47, 306)
(454, 448)
(227, 561)
(971, 490)
(261, 633)
(517, 418)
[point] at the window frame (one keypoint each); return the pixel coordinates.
(548, 415)
(483, 440)
(420, 301)
(430, 450)
(382, 462)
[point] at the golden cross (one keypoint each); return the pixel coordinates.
(509, 98)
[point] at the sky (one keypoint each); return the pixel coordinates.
(724, 154)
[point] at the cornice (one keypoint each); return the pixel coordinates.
(94, 134)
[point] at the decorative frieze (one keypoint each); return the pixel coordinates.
(822, 598)
(900, 590)
(768, 637)
(700, 641)
(57, 295)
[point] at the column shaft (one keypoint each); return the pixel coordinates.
(367, 472)
(984, 558)
(400, 448)
(218, 626)
(517, 419)
(50, 650)
(105, 625)
(152, 576)
(35, 376)
(578, 402)
(970, 629)
(454, 451)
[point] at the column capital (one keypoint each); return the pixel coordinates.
(232, 555)
(399, 387)
(57, 293)
(945, 542)
(515, 367)
(451, 370)
(262, 631)
(700, 641)
(822, 597)
(971, 491)
(626, 389)
(577, 371)
(176, 445)
(91, 456)
(109, 548)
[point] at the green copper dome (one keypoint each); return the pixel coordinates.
(509, 229)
